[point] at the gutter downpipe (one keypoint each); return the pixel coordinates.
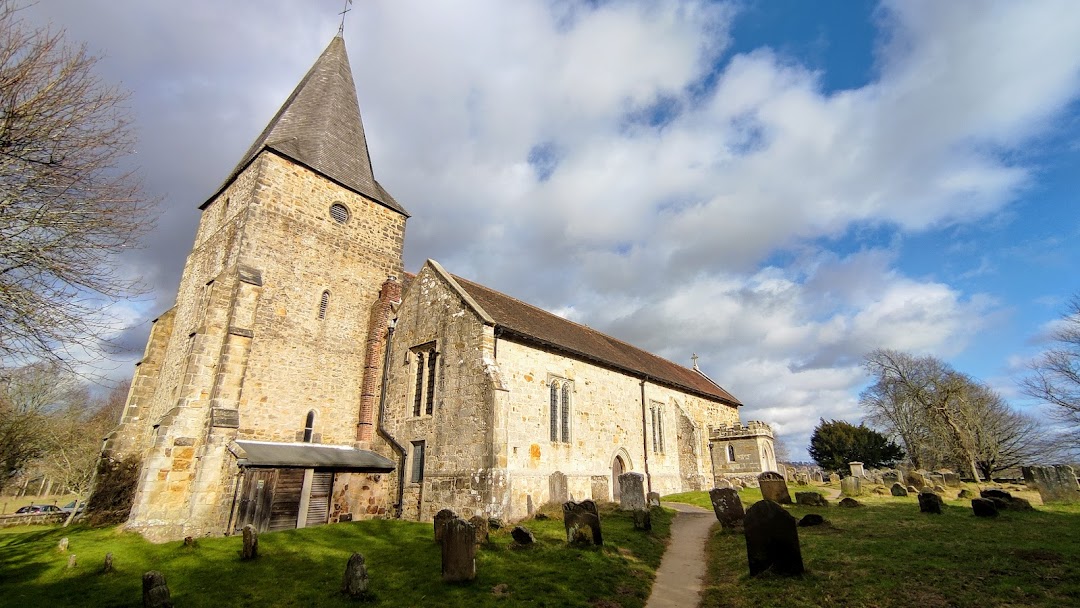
(645, 438)
(381, 428)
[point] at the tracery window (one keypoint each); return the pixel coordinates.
(424, 386)
(559, 410)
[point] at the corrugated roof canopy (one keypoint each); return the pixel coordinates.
(309, 456)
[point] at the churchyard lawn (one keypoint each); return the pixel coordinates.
(887, 554)
(305, 567)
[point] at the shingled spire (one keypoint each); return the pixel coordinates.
(319, 126)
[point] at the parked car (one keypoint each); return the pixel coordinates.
(38, 509)
(69, 507)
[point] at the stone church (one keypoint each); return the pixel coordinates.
(303, 377)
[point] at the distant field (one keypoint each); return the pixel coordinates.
(305, 567)
(8, 504)
(889, 555)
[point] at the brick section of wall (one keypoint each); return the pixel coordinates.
(374, 357)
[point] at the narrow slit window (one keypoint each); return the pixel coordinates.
(309, 426)
(731, 453)
(554, 411)
(417, 462)
(565, 413)
(418, 396)
(431, 381)
(324, 303)
(652, 414)
(660, 427)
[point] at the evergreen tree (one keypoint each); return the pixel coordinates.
(836, 443)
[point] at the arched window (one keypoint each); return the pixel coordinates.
(554, 411)
(730, 453)
(565, 412)
(324, 303)
(309, 426)
(418, 392)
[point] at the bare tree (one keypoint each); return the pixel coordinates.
(1055, 375)
(27, 395)
(67, 208)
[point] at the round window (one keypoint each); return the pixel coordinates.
(339, 212)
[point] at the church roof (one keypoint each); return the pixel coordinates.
(319, 126)
(527, 322)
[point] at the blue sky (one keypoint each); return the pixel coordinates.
(779, 187)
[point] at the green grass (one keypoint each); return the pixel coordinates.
(305, 567)
(888, 554)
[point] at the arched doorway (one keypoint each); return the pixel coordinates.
(618, 467)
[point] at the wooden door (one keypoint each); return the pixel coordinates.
(256, 498)
(285, 506)
(617, 468)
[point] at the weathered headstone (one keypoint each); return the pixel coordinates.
(724, 484)
(952, 480)
(577, 516)
(772, 539)
(939, 489)
(811, 519)
(727, 506)
(599, 487)
(108, 567)
(155, 592)
(495, 523)
(631, 491)
(929, 502)
(251, 543)
(355, 582)
(774, 488)
(189, 541)
(522, 537)
(480, 522)
(890, 477)
(849, 503)
(935, 479)
(851, 486)
(810, 499)
(557, 487)
(802, 479)
(72, 562)
(856, 469)
(63, 545)
(816, 476)
(458, 551)
(653, 499)
(965, 493)
(442, 518)
(984, 507)
(834, 478)
(1055, 484)
(915, 479)
(898, 490)
(642, 520)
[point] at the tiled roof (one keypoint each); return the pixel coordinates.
(319, 126)
(527, 322)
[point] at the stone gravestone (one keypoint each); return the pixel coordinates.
(850, 486)
(810, 499)
(935, 479)
(580, 515)
(522, 536)
(890, 477)
(355, 582)
(856, 469)
(915, 480)
(458, 551)
(811, 519)
(898, 490)
(63, 545)
(802, 479)
(952, 480)
(774, 488)
(72, 562)
(480, 522)
(642, 520)
(772, 539)
(834, 478)
(984, 507)
(727, 506)
(250, 549)
(653, 499)
(557, 491)
(816, 476)
(1055, 484)
(600, 490)
(631, 491)
(155, 593)
(442, 518)
(108, 567)
(929, 502)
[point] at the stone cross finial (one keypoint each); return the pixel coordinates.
(694, 358)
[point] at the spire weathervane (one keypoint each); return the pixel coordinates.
(341, 28)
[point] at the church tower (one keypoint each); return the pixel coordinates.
(246, 407)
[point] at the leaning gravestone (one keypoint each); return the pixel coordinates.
(898, 490)
(155, 593)
(522, 536)
(1055, 484)
(727, 506)
(458, 551)
(849, 503)
(811, 519)
(772, 539)
(577, 516)
(915, 479)
(929, 502)
(810, 499)
(442, 518)
(631, 491)
(355, 582)
(774, 488)
(984, 507)
(851, 486)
